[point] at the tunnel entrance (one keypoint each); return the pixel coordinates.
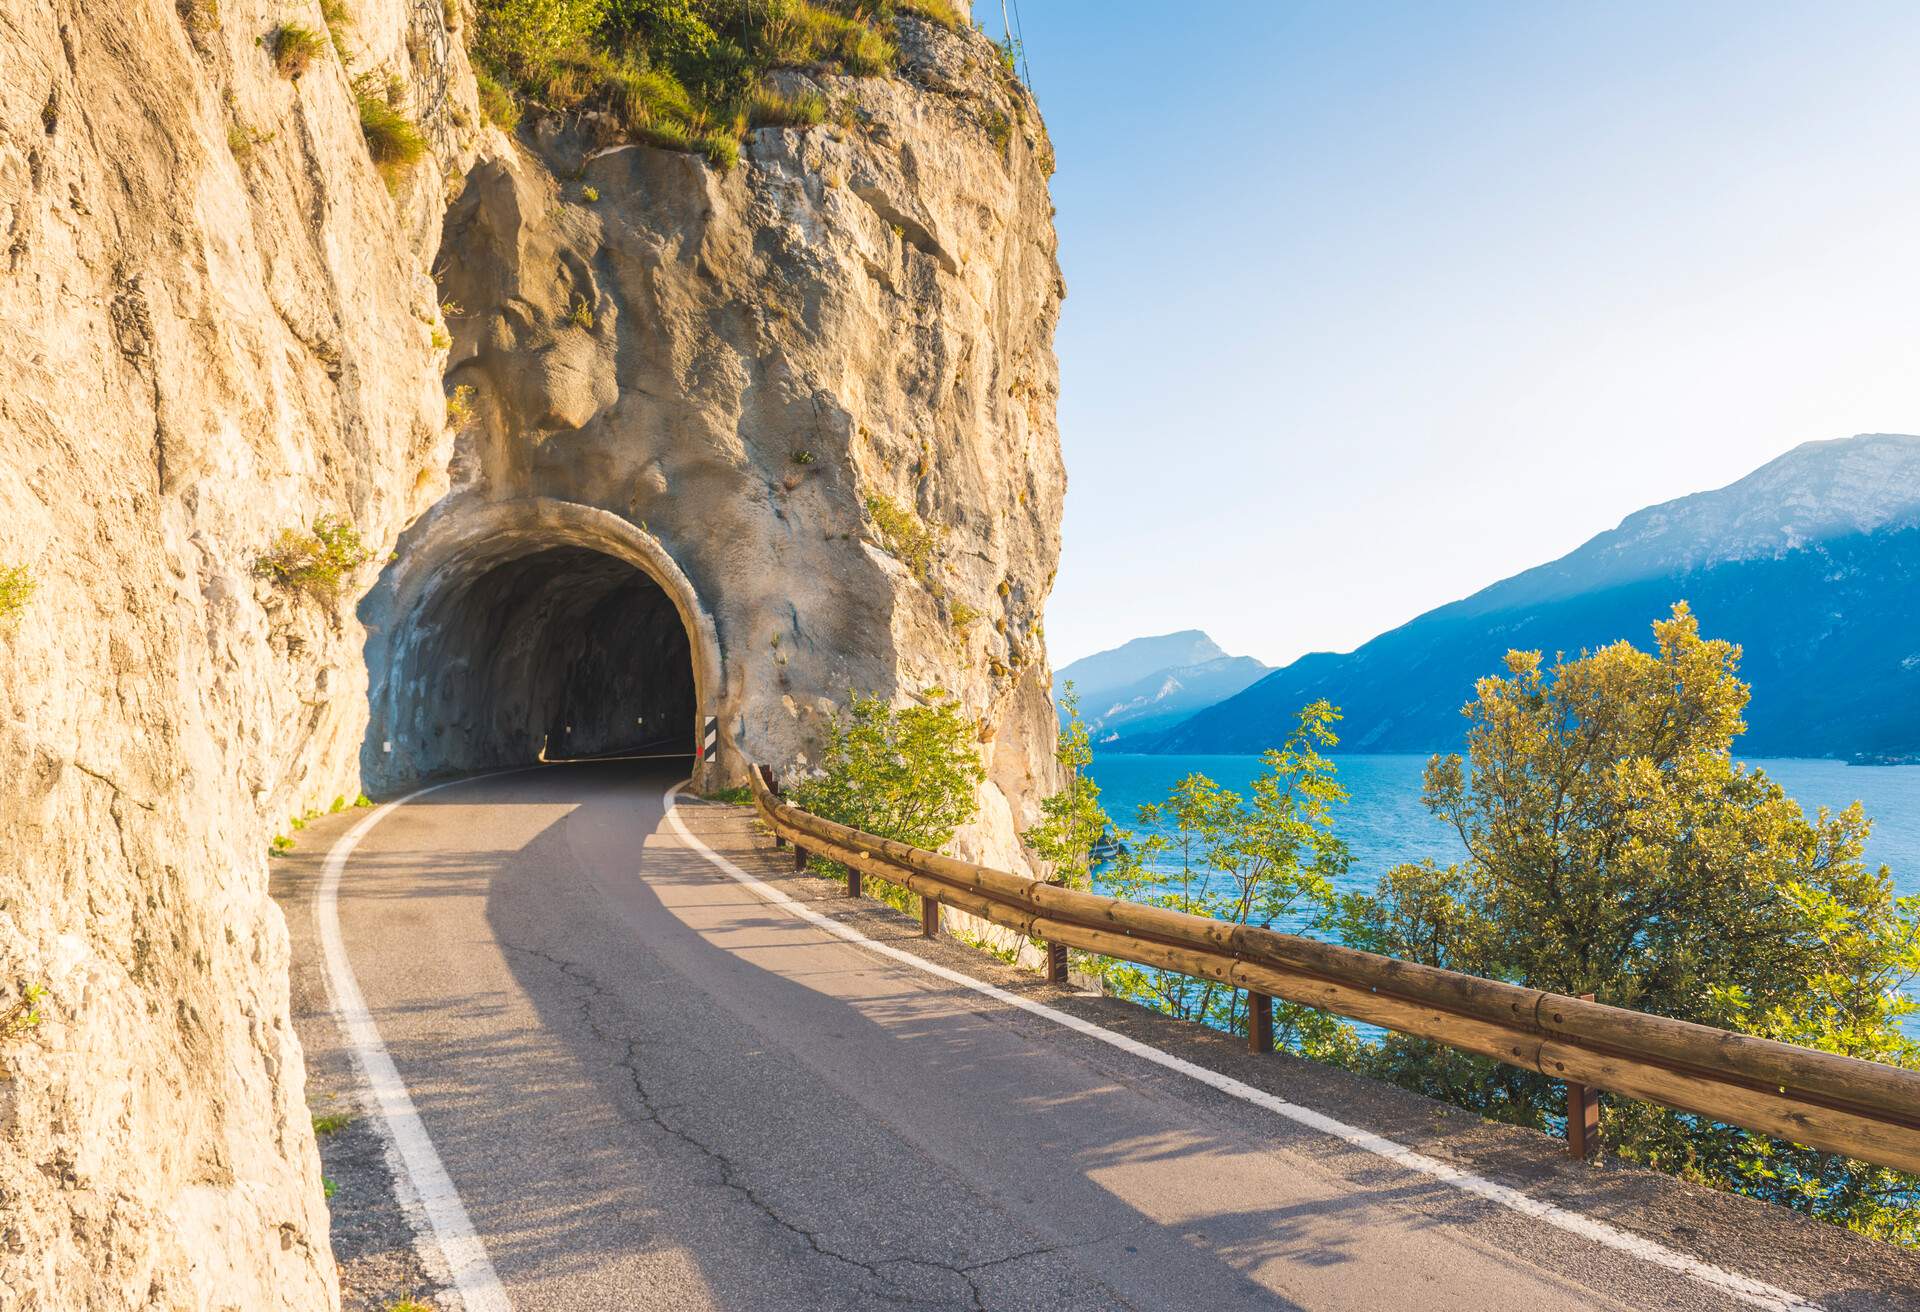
(560, 651)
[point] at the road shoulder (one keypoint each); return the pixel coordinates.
(373, 1236)
(1839, 1270)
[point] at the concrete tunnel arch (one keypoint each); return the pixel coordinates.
(468, 631)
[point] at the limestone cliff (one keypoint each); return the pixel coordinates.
(821, 385)
(811, 398)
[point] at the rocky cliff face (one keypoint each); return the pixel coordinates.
(811, 399)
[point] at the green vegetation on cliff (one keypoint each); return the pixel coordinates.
(314, 563)
(683, 74)
(16, 590)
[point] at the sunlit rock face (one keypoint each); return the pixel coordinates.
(219, 323)
(765, 378)
(216, 323)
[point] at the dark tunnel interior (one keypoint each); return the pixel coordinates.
(565, 649)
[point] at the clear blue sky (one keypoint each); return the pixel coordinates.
(1370, 305)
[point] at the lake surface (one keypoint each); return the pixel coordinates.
(1384, 823)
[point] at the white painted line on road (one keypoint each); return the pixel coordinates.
(1747, 1290)
(458, 1247)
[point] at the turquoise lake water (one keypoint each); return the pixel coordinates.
(1384, 823)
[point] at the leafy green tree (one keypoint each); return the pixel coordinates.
(1270, 858)
(1615, 847)
(909, 773)
(520, 36)
(1072, 820)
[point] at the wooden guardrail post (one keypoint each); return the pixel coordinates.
(1583, 1114)
(1259, 1022)
(1837, 1104)
(766, 777)
(929, 917)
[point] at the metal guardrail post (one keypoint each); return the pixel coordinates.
(1056, 963)
(929, 917)
(1583, 1114)
(1259, 1022)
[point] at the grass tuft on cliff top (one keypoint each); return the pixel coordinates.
(688, 75)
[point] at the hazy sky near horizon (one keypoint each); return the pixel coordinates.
(1372, 305)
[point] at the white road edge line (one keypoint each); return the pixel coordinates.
(458, 1248)
(1747, 1290)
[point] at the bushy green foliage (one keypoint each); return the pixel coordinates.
(328, 1123)
(681, 74)
(520, 37)
(294, 48)
(393, 139)
(910, 773)
(496, 102)
(1072, 819)
(1614, 846)
(23, 1015)
(1269, 859)
(460, 406)
(903, 534)
(999, 128)
(314, 563)
(16, 590)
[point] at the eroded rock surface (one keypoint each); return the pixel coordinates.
(218, 323)
(822, 384)
(215, 323)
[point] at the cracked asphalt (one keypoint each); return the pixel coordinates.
(655, 1091)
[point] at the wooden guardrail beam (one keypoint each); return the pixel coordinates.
(1838, 1104)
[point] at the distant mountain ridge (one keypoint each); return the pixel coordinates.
(1810, 562)
(1148, 685)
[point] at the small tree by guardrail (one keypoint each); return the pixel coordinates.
(1269, 858)
(1073, 819)
(910, 773)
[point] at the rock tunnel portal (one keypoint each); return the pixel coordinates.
(522, 646)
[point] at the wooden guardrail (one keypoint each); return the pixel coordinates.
(1861, 1109)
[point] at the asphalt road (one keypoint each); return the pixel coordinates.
(653, 1089)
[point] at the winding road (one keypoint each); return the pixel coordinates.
(651, 1087)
